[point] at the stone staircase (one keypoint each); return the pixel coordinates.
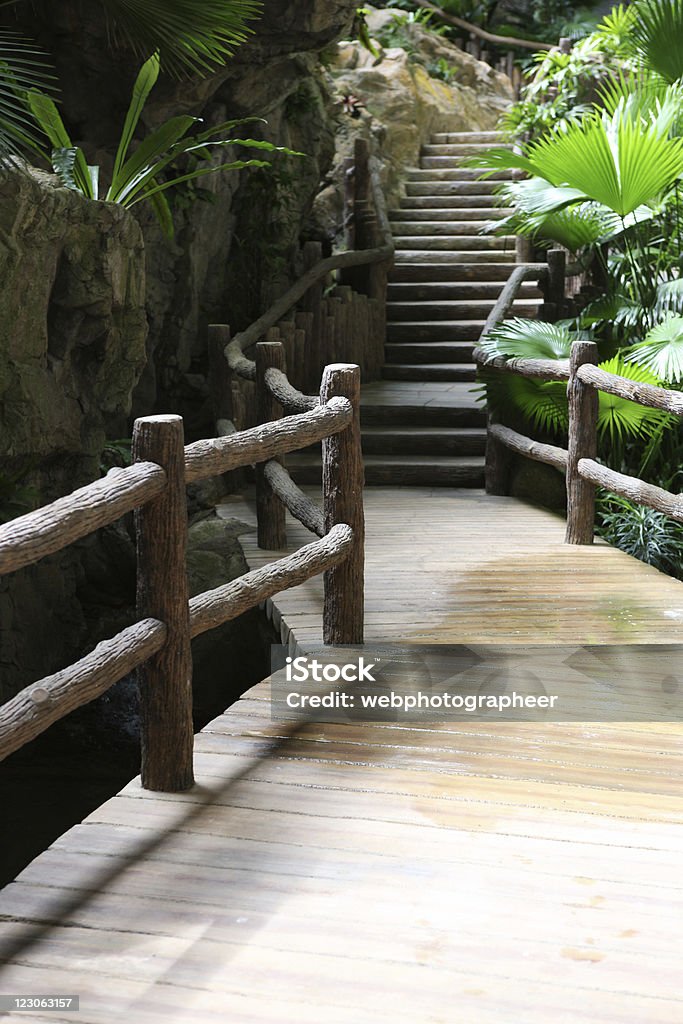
(422, 424)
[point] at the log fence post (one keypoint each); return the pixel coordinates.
(167, 735)
(497, 463)
(583, 417)
(343, 479)
(554, 296)
(270, 512)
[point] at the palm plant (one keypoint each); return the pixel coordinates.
(136, 176)
(657, 33)
(23, 66)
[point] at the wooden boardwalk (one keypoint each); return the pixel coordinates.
(459, 873)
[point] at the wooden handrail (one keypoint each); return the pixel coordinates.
(644, 394)
(154, 489)
(234, 350)
(31, 537)
(294, 499)
(633, 488)
(38, 706)
(548, 453)
(475, 30)
(215, 607)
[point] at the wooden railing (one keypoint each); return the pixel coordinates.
(478, 42)
(158, 644)
(344, 334)
(345, 322)
(583, 473)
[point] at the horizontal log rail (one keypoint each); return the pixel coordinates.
(481, 33)
(294, 499)
(158, 645)
(34, 536)
(214, 607)
(633, 488)
(38, 706)
(545, 369)
(548, 453)
(644, 394)
(212, 457)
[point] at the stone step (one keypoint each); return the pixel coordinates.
(433, 291)
(412, 228)
(427, 403)
(423, 441)
(459, 149)
(444, 268)
(470, 243)
(436, 330)
(456, 201)
(478, 215)
(446, 187)
(489, 138)
(402, 470)
(427, 353)
(429, 371)
(461, 174)
(453, 309)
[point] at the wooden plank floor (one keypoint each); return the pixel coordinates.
(491, 873)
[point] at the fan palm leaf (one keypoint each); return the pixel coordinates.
(529, 339)
(191, 37)
(618, 418)
(658, 35)
(661, 351)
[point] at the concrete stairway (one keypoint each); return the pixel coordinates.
(422, 424)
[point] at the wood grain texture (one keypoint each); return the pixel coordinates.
(214, 607)
(271, 513)
(526, 446)
(286, 394)
(633, 488)
(583, 444)
(293, 498)
(479, 872)
(27, 539)
(165, 679)
(38, 706)
(204, 459)
(544, 369)
(644, 394)
(343, 481)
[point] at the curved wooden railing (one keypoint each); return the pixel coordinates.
(373, 251)
(158, 644)
(585, 380)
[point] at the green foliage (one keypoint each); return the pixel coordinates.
(137, 176)
(441, 69)
(529, 339)
(642, 532)
(657, 32)
(661, 351)
(191, 36)
(22, 67)
(362, 31)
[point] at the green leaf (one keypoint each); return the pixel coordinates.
(620, 419)
(661, 351)
(529, 339)
(148, 153)
(48, 117)
(144, 83)
(199, 172)
(192, 37)
(658, 34)
(162, 212)
(23, 67)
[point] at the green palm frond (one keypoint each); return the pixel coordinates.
(543, 403)
(669, 298)
(646, 98)
(529, 339)
(192, 37)
(658, 35)
(618, 418)
(661, 351)
(23, 67)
